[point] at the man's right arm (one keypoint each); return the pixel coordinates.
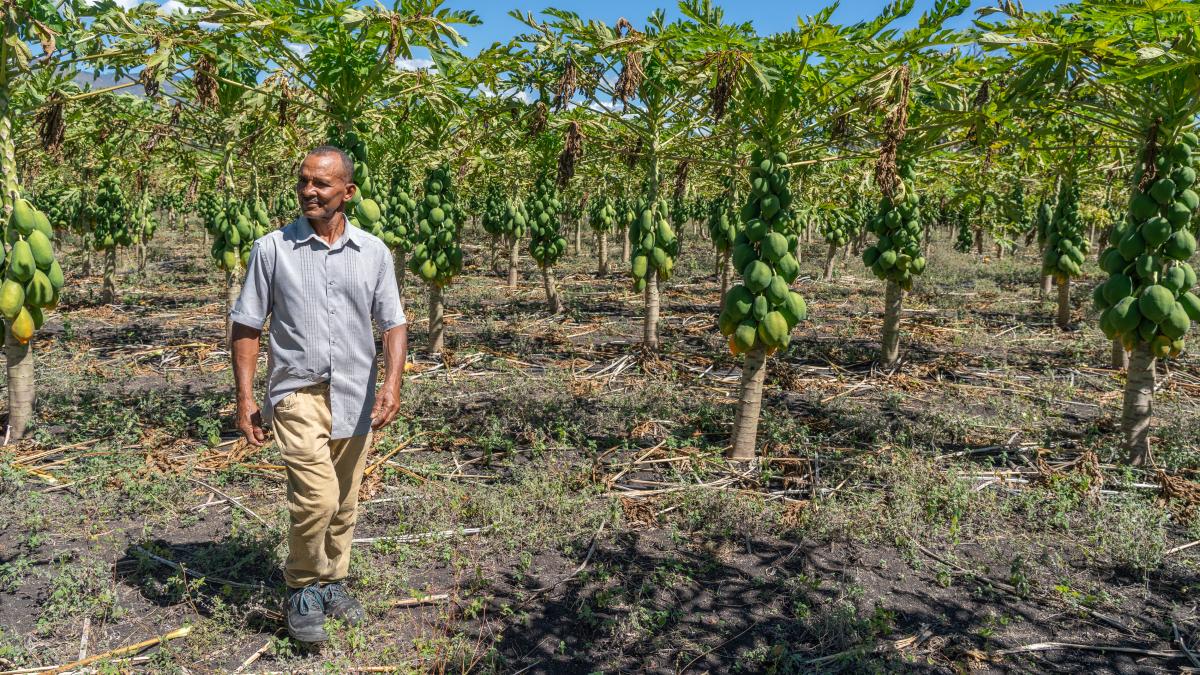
(248, 316)
(245, 363)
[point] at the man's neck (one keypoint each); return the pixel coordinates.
(330, 230)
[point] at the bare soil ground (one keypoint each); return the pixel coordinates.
(555, 501)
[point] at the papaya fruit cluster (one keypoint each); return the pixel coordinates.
(964, 240)
(61, 208)
(1147, 297)
(762, 310)
(546, 245)
(1066, 247)
(897, 255)
(365, 210)
(436, 254)
(234, 226)
(602, 216)
(515, 220)
(32, 276)
(399, 214)
(722, 225)
(840, 226)
(494, 208)
(653, 244)
(144, 222)
(108, 216)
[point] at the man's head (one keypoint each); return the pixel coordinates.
(326, 183)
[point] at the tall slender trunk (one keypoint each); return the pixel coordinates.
(514, 252)
(108, 291)
(979, 241)
(400, 264)
(87, 260)
(926, 239)
(20, 383)
(141, 257)
(233, 288)
(749, 406)
(892, 305)
(437, 328)
(19, 356)
(1064, 302)
(625, 246)
(650, 324)
(553, 301)
(726, 275)
(495, 257)
(602, 244)
(1138, 405)
(1047, 282)
(827, 275)
(1120, 357)
(999, 251)
(578, 237)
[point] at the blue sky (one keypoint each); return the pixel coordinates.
(768, 16)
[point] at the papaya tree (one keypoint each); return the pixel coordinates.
(1134, 73)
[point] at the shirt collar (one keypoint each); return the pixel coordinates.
(305, 232)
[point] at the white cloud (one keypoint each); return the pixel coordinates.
(176, 7)
(414, 64)
(298, 49)
(123, 4)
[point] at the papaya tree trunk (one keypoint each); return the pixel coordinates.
(20, 384)
(749, 406)
(233, 288)
(1064, 302)
(87, 261)
(798, 252)
(726, 275)
(1120, 357)
(553, 301)
(578, 237)
(141, 257)
(625, 246)
(892, 305)
(437, 328)
(1047, 281)
(19, 356)
(979, 241)
(400, 264)
(495, 258)
(602, 244)
(514, 252)
(650, 325)
(108, 292)
(1138, 405)
(928, 236)
(827, 275)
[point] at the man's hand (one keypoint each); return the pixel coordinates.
(250, 423)
(387, 404)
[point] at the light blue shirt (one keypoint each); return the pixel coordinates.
(321, 300)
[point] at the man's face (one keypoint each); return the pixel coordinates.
(323, 187)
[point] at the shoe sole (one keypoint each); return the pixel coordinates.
(311, 638)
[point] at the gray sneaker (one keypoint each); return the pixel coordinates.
(305, 610)
(339, 605)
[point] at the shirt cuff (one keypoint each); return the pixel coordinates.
(385, 326)
(247, 320)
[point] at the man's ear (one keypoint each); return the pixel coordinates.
(351, 189)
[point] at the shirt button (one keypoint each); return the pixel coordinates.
(333, 311)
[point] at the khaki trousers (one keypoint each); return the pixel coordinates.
(323, 479)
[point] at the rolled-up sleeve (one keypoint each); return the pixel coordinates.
(254, 303)
(386, 307)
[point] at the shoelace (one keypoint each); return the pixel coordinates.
(334, 592)
(307, 599)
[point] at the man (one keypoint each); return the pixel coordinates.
(321, 281)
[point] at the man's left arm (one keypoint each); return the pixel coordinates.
(388, 313)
